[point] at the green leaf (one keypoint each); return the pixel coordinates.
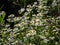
(2, 16)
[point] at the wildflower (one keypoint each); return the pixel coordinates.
(26, 13)
(34, 15)
(56, 43)
(37, 23)
(22, 28)
(17, 18)
(21, 10)
(29, 6)
(40, 7)
(34, 6)
(47, 33)
(9, 39)
(31, 44)
(35, 3)
(28, 9)
(56, 32)
(15, 29)
(7, 25)
(45, 40)
(17, 25)
(42, 37)
(11, 16)
(32, 22)
(31, 33)
(2, 12)
(26, 17)
(52, 38)
(40, 14)
(37, 20)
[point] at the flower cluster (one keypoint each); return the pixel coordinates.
(33, 28)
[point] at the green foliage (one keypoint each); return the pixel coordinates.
(2, 16)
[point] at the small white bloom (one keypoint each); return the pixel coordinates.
(35, 3)
(28, 9)
(28, 34)
(7, 25)
(56, 43)
(16, 41)
(21, 10)
(34, 15)
(26, 13)
(40, 14)
(2, 12)
(8, 20)
(32, 22)
(54, 30)
(22, 28)
(31, 44)
(17, 19)
(40, 7)
(11, 15)
(42, 37)
(52, 38)
(47, 27)
(31, 33)
(37, 20)
(9, 39)
(29, 6)
(26, 17)
(36, 23)
(18, 25)
(15, 29)
(45, 40)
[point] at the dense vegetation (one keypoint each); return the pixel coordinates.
(29, 22)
